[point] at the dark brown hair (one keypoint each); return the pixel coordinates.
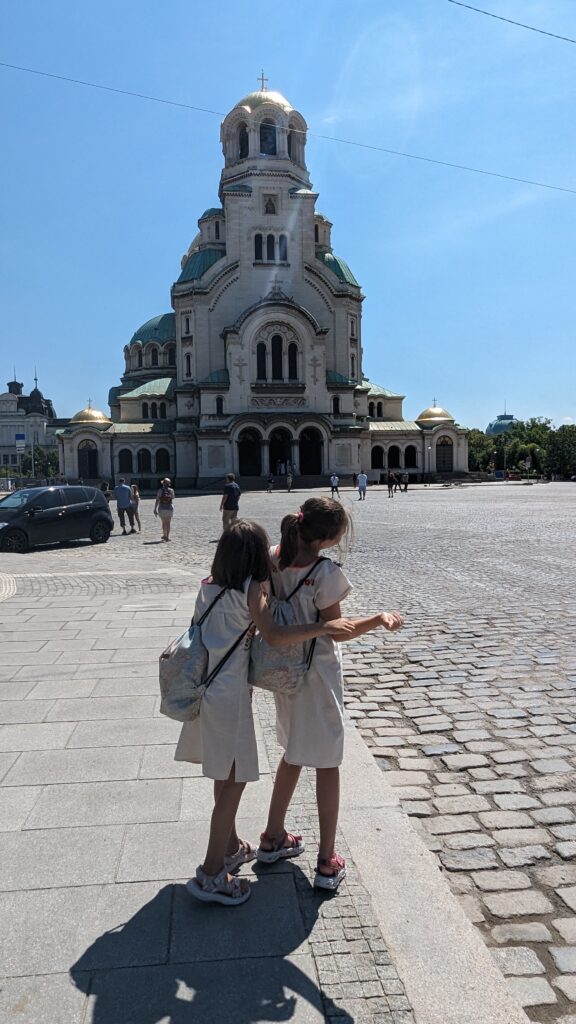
(243, 550)
(318, 519)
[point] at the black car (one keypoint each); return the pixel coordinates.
(45, 515)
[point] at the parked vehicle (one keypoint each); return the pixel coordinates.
(46, 515)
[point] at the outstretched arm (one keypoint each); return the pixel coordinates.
(390, 620)
(280, 636)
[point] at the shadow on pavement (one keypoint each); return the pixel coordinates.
(177, 961)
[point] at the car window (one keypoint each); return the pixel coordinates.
(47, 499)
(17, 500)
(74, 495)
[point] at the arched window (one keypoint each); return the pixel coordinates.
(144, 461)
(270, 206)
(139, 358)
(352, 327)
(316, 234)
(249, 453)
(370, 408)
(217, 230)
(187, 366)
(336, 405)
(258, 248)
(187, 325)
(290, 143)
(277, 373)
(144, 410)
(379, 410)
(162, 410)
(410, 460)
(377, 457)
(353, 366)
(154, 357)
(242, 142)
(162, 460)
(393, 457)
(261, 361)
(219, 406)
(283, 249)
(268, 138)
(270, 248)
(172, 356)
(124, 461)
(292, 361)
(154, 411)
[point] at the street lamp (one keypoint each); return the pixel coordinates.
(429, 464)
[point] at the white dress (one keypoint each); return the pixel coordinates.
(310, 724)
(223, 733)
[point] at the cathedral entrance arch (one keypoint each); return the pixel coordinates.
(444, 455)
(377, 458)
(249, 453)
(311, 444)
(280, 449)
(87, 460)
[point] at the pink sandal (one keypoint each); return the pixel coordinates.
(279, 851)
(244, 854)
(331, 881)
(218, 888)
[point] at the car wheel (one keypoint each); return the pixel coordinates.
(15, 541)
(99, 533)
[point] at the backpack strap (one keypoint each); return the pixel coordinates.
(228, 654)
(210, 607)
(305, 577)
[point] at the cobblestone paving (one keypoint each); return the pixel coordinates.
(470, 710)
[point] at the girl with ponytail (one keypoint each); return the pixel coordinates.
(310, 723)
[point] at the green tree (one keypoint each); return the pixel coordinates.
(561, 451)
(45, 462)
(480, 450)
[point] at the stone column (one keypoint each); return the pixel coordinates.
(265, 451)
(295, 453)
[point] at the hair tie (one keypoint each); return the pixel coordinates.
(300, 516)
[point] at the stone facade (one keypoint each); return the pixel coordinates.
(260, 363)
(31, 415)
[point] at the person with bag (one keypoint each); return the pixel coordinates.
(231, 604)
(310, 722)
(164, 506)
(135, 502)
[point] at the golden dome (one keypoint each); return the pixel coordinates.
(257, 98)
(435, 414)
(90, 415)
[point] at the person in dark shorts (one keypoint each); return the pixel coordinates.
(230, 500)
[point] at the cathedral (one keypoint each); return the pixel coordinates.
(259, 363)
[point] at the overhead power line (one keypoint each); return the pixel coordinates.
(510, 21)
(327, 138)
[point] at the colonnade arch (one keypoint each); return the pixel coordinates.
(262, 451)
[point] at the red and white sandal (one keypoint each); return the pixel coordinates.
(282, 847)
(330, 881)
(220, 888)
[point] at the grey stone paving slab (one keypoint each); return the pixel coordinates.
(42, 736)
(271, 924)
(106, 803)
(15, 690)
(533, 931)
(532, 991)
(45, 998)
(6, 762)
(567, 984)
(518, 904)
(58, 857)
(564, 958)
(256, 990)
(62, 687)
(15, 806)
(42, 767)
(108, 708)
(133, 732)
(24, 711)
(92, 927)
(566, 926)
(518, 960)
(142, 685)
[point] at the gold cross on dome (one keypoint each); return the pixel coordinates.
(89, 403)
(262, 81)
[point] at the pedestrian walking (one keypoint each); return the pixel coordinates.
(164, 506)
(354, 480)
(362, 483)
(222, 737)
(390, 482)
(230, 500)
(289, 478)
(310, 723)
(334, 482)
(405, 481)
(135, 502)
(270, 484)
(397, 484)
(124, 505)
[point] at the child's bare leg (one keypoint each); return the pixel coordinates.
(234, 840)
(328, 800)
(222, 823)
(284, 785)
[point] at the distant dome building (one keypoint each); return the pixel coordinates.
(501, 425)
(259, 363)
(31, 416)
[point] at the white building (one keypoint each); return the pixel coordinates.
(31, 416)
(260, 362)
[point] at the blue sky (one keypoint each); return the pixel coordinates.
(469, 280)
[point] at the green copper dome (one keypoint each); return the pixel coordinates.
(337, 266)
(198, 263)
(160, 328)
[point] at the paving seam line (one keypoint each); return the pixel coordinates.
(448, 972)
